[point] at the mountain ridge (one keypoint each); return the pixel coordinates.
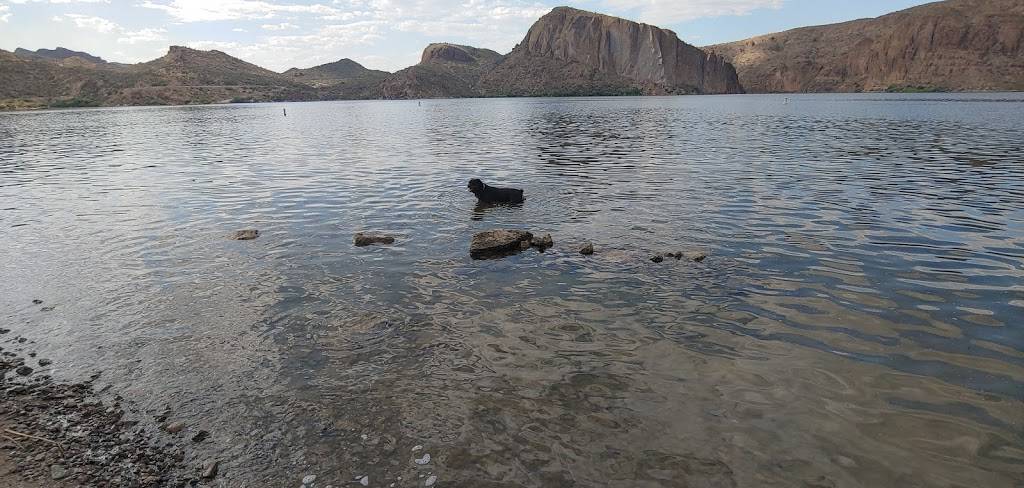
(954, 45)
(948, 45)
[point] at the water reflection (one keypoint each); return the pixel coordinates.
(855, 325)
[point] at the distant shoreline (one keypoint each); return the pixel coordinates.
(62, 109)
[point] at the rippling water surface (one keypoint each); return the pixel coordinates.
(857, 324)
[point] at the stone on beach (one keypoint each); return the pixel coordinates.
(363, 239)
(430, 481)
(308, 479)
(498, 242)
(424, 460)
(245, 235)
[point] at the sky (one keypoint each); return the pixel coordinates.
(380, 34)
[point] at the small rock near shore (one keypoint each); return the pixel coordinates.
(58, 472)
(587, 249)
(45, 362)
(308, 479)
(23, 370)
(543, 242)
(37, 302)
(245, 235)
(174, 427)
(657, 258)
(695, 256)
(363, 239)
(210, 469)
(498, 242)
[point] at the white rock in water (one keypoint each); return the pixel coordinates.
(430, 481)
(424, 460)
(365, 481)
(309, 479)
(417, 448)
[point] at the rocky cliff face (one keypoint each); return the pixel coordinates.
(444, 71)
(609, 53)
(951, 45)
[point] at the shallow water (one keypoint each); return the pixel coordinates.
(858, 321)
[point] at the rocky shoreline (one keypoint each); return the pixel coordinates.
(69, 434)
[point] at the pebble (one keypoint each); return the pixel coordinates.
(45, 362)
(58, 471)
(430, 481)
(210, 469)
(424, 460)
(23, 370)
(417, 448)
(175, 427)
(308, 479)
(245, 235)
(365, 481)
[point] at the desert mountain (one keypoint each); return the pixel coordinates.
(444, 71)
(571, 51)
(950, 45)
(341, 80)
(58, 54)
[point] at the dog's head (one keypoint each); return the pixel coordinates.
(475, 185)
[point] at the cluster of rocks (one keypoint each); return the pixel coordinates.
(504, 242)
(56, 433)
(498, 243)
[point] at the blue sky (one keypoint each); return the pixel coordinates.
(381, 34)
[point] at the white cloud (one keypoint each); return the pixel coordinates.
(672, 11)
(5, 14)
(238, 29)
(143, 35)
(98, 24)
(206, 10)
(279, 27)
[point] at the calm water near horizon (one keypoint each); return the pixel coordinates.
(857, 324)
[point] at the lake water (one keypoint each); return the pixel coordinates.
(857, 324)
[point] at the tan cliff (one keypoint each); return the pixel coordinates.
(959, 45)
(585, 49)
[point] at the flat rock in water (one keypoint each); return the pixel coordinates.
(695, 256)
(245, 235)
(362, 239)
(587, 249)
(498, 242)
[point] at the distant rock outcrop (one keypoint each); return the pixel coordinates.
(58, 54)
(571, 51)
(959, 45)
(342, 79)
(444, 71)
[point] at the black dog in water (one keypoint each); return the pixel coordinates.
(490, 194)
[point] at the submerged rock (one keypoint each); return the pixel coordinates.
(245, 235)
(308, 479)
(210, 469)
(58, 472)
(23, 370)
(362, 239)
(695, 256)
(495, 243)
(543, 242)
(657, 258)
(175, 427)
(587, 249)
